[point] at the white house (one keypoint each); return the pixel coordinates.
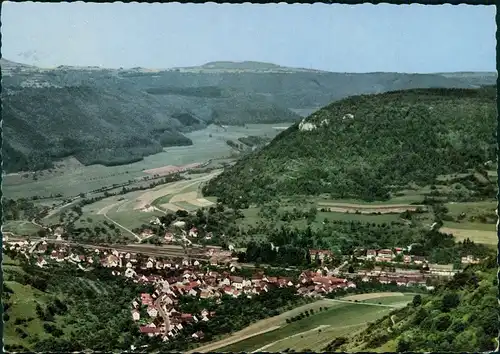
(179, 224)
(193, 232)
(153, 312)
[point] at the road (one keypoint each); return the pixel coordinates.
(163, 314)
(37, 224)
(337, 270)
(58, 209)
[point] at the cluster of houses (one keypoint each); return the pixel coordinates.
(391, 256)
(316, 284)
(382, 255)
(158, 313)
(160, 310)
(170, 237)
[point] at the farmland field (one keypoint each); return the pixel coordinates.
(72, 178)
(19, 227)
(317, 330)
(129, 210)
(488, 237)
(261, 326)
(313, 332)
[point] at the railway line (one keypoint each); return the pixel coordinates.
(168, 251)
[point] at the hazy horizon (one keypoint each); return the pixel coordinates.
(368, 72)
(336, 38)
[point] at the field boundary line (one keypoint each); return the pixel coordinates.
(364, 303)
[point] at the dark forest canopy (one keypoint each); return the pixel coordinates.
(361, 145)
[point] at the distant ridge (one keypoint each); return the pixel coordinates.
(117, 116)
(240, 65)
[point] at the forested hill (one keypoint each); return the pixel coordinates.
(359, 146)
(116, 116)
(460, 316)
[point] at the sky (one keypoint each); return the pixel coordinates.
(340, 38)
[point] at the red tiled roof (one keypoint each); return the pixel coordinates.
(236, 279)
(146, 329)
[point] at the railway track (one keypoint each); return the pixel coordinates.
(171, 251)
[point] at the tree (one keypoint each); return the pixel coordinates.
(403, 346)
(417, 300)
(450, 301)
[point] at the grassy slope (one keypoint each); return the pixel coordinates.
(91, 304)
(339, 319)
(379, 147)
(471, 326)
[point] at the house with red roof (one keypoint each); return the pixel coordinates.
(149, 330)
(384, 255)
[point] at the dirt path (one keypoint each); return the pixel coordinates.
(369, 206)
(163, 314)
(58, 209)
(389, 329)
(35, 223)
(107, 208)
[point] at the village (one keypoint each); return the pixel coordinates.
(157, 313)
